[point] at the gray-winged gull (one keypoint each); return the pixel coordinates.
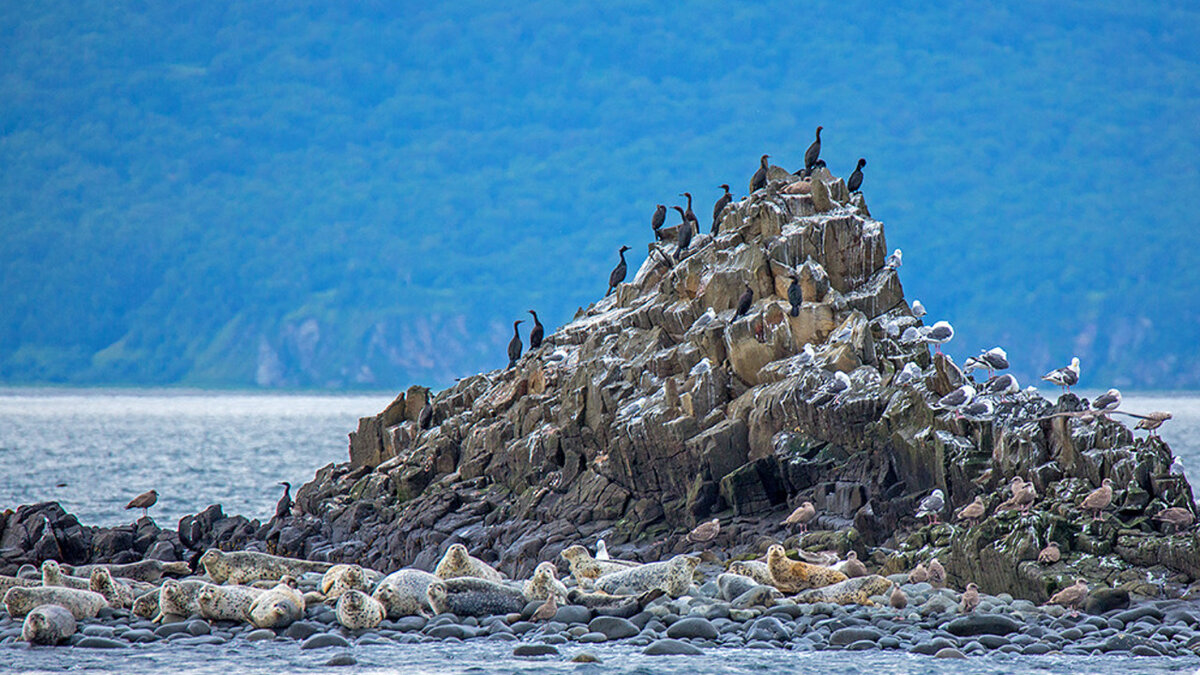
(1002, 385)
(806, 355)
(1107, 402)
(840, 385)
(896, 259)
(979, 407)
(932, 505)
(1065, 377)
(939, 334)
(957, 399)
(911, 373)
(918, 310)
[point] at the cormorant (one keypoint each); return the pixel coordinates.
(685, 234)
(284, 508)
(514, 345)
(535, 335)
(759, 180)
(618, 273)
(744, 302)
(813, 153)
(425, 418)
(689, 216)
(660, 216)
(795, 295)
(143, 501)
(855, 180)
(720, 206)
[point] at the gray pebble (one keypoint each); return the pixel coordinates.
(535, 650)
(668, 647)
(613, 628)
(92, 642)
(199, 627)
(342, 660)
(260, 634)
(692, 627)
(322, 640)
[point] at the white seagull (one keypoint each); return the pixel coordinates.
(1107, 402)
(1003, 385)
(931, 506)
(896, 259)
(918, 310)
(840, 385)
(911, 373)
(941, 333)
(957, 399)
(1065, 377)
(979, 407)
(601, 550)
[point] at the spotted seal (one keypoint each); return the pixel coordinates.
(48, 625)
(624, 606)
(52, 575)
(146, 604)
(341, 578)
(177, 599)
(118, 594)
(855, 591)
(278, 607)
(458, 563)
(793, 576)
(226, 603)
(20, 600)
(673, 576)
(587, 569)
(732, 585)
(755, 569)
(7, 582)
(241, 567)
(148, 570)
(471, 596)
(405, 592)
(357, 610)
(544, 583)
(758, 596)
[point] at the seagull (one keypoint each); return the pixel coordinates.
(979, 407)
(705, 531)
(931, 506)
(1050, 555)
(941, 333)
(840, 385)
(806, 355)
(937, 573)
(1065, 377)
(1151, 422)
(918, 310)
(957, 399)
(911, 373)
(972, 512)
(143, 501)
(1099, 499)
(1176, 465)
(910, 335)
(1003, 385)
(705, 318)
(1107, 402)
(1071, 597)
(1177, 517)
(895, 259)
(601, 550)
(970, 599)
(801, 516)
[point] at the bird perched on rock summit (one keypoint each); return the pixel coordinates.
(1099, 499)
(759, 180)
(813, 153)
(801, 516)
(143, 501)
(932, 505)
(618, 273)
(515, 345)
(856, 178)
(538, 332)
(720, 206)
(1065, 377)
(283, 508)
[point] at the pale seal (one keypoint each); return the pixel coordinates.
(52, 575)
(544, 583)
(759, 596)
(115, 592)
(146, 604)
(469, 596)
(226, 603)
(177, 599)
(405, 592)
(7, 582)
(624, 606)
(458, 563)
(20, 600)
(341, 578)
(587, 569)
(793, 576)
(241, 567)
(357, 610)
(278, 607)
(144, 570)
(48, 625)
(755, 569)
(856, 591)
(673, 576)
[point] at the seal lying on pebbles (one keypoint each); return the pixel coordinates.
(356, 610)
(731, 585)
(118, 595)
(856, 591)
(470, 596)
(624, 606)
(405, 592)
(586, 569)
(146, 605)
(792, 576)
(342, 578)
(52, 575)
(755, 569)
(177, 599)
(48, 625)
(241, 567)
(673, 576)
(226, 603)
(143, 570)
(759, 596)
(278, 607)
(7, 582)
(458, 563)
(21, 600)
(544, 583)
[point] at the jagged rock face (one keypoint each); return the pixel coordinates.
(656, 408)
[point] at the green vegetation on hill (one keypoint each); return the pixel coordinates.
(259, 194)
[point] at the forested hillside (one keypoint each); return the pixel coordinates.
(260, 194)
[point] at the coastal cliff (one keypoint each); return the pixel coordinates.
(657, 408)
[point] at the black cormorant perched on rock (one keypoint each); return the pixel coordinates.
(425, 418)
(759, 181)
(515, 345)
(689, 216)
(618, 273)
(284, 508)
(720, 206)
(660, 217)
(855, 180)
(744, 302)
(684, 234)
(795, 295)
(813, 153)
(535, 335)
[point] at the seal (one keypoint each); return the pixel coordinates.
(793, 576)
(458, 563)
(226, 603)
(241, 567)
(342, 578)
(585, 569)
(624, 606)
(52, 575)
(856, 591)
(405, 592)
(48, 625)
(470, 596)
(278, 607)
(732, 585)
(177, 599)
(544, 583)
(759, 596)
(357, 610)
(7, 582)
(673, 576)
(755, 569)
(118, 595)
(20, 600)
(149, 570)
(146, 605)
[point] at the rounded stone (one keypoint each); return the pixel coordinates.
(93, 642)
(342, 660)
(845, 636)
(301, 630)
(949, 653)
(669, 647)
(693, 627)
(323, 640)
(592, 638)
(199, 627)
(613, 627)
(535, 650)
(260, 634)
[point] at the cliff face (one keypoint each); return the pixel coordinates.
(657, 408)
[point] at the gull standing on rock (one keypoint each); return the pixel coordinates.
(937, 574)
(705, 531)
(618, 273)
(601, 550)
(918, 310)
(801, 516)
(895, 260)
(978, 408)
(840, 385)
(1050, 555)
(970, 599)
(1099, 499)
(909, 374)
(932, 505)
(1176, 466)
(938, 335)
(919, 574)
(806, 355)
(1003, 385)
(1066, 377)
(1071, 597)
(143, 501)
(972, 512)
(897, 599)
(1177, 517)
(515, 345)
(1107, 402)
(1151, 422)
(957, 399)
